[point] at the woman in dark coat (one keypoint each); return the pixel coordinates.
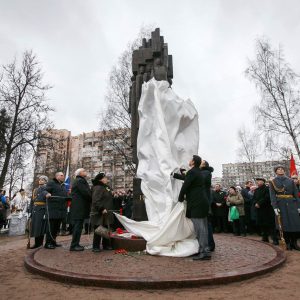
(102, 204)
(264, 211)
(38, 213)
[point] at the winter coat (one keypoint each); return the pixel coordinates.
(196, 188)
(81, 199)
(238, 201)
(282, 185)
(219, 197)
(101, 199)
(38, 212)
(57, 202)
(265, 212)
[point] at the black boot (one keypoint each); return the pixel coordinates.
(294, 244)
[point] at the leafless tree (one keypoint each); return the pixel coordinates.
(22, 94)
(278, 113)
(249, 149)
(116, 117)
(18, 167)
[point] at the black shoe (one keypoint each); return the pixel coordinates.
(212, 249)
(35, 246)
(202, 256)
(96, 250)
(49, 246)
(77, 248)
(57, 245)
(275, 242)
(265, 239)
(295, 246)
(107, 248)
(289, 247)
(194, 255)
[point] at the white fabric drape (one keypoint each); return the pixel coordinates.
(168, 137)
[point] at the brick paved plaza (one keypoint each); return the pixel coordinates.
(18, 283)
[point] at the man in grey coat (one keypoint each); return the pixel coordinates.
(285, 201)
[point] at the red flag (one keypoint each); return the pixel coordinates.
(293, 170)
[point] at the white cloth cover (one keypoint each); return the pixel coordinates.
(168, 137)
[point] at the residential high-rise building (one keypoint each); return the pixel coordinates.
(101, 151)
(239, 173)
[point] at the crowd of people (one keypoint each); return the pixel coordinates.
(261, 207)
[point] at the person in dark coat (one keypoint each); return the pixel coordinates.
(248, 206)
(219, 209)
(286, 203)
(194, 188)
(56, 210)
(265, 212)
(38, 212)
(80, 207)
(102, 204)
(207, 171)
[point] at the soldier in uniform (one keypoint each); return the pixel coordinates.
(56, 208)
(286, 203)
(38, 212)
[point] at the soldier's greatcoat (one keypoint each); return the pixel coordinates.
(289, 205)
(38, 212)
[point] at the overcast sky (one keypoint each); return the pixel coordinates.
(78, 42)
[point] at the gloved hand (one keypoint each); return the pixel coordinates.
(277, 211)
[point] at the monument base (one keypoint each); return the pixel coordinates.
(130, 245)
(234, 259)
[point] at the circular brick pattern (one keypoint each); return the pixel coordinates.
(235, 258)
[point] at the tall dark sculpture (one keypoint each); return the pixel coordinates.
(150, 60)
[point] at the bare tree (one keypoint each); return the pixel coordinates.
(278, 113)
(17, 170)
(116, 117)
(249, 149)
(4, 126)
(22, 94)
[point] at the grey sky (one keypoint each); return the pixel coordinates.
(79, 41)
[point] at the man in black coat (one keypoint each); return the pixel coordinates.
(56, 208)
(219, 209)
(80, 207)
(248, 204)
(195, 186)
(265, 212)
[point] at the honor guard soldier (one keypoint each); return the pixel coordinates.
(38, 212)
(286, 204)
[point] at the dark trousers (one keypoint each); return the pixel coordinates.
(239, 226)
(97, 241)
(52, 231)
(221, 223)
(211, 241)
(77, 229)
(38, 241)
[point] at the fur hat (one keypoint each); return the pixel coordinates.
(43, 177)
(98, 177)
(279, 166)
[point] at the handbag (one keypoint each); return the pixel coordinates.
(234, 213)
(103, 231)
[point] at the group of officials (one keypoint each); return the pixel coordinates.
(49, 209)
(96, 202)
